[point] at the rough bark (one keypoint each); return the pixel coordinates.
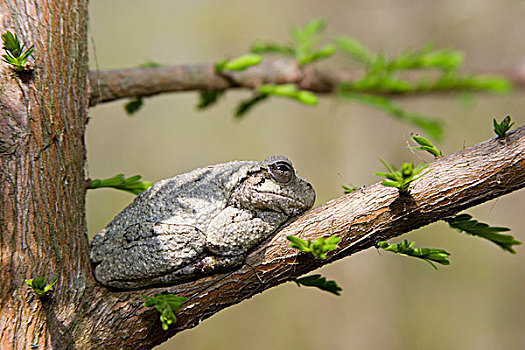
(111, 85)
(42, 158)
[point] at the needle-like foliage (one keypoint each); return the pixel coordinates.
(166, 304)
(465, 223)
(430, 255)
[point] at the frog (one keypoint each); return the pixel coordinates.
(198, 223)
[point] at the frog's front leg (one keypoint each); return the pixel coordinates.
(235, 231)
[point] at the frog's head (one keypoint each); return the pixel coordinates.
(273, 185)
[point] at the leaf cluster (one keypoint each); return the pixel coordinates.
(16, 54)
(305, 40)
(402, 178)
(40, 285)
(385, 76)
(502, 128)
(131, 184)
(425, 145)
(210, 97)
(317, 248)
(166, 304)
(303, 49)
(320, 282)
(349, 189)
(406, 248)
(465, 223)
(284, 90)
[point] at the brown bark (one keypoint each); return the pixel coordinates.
(111, 85)
(42, 158)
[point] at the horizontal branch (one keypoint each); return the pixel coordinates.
(111, 85)
(456, 182)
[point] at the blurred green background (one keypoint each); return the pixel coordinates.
(388, 302)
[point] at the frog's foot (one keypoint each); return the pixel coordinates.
(205, 266)
(214, 264)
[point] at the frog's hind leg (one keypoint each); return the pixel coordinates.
(205, 266)
(152, 251)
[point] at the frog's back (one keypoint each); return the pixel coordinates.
(192, 199)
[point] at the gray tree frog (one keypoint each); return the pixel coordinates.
(198, 223)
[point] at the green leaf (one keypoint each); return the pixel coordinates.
(433, 127)
(261, 48)
(430, 255)
(313, 56)
(426, 58)
(308, 33)
(318, 248)
(166, 304)
(355, 49)
(289, 91)
(208, 98)
(11, 43)
(119, 182)
(25, 55)
(320, 282)
(150, 64)
(465, 223)
(349, 189)
(502, 128)
(219, 66)
(306, 38)
(377, 84)
(133, 106)
(239, 63)
(299, 244)
(426, 145)
(247, 105)
(307, 97)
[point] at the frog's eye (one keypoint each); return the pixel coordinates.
(281, 171)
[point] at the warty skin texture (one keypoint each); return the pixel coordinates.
(198, 223)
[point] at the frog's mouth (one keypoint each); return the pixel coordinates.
(285, 201)
(261, 192)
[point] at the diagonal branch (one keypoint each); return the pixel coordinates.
(111, 85)
(456, 182)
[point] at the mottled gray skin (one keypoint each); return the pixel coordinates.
(197, 223)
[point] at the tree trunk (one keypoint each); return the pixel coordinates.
(42, 157)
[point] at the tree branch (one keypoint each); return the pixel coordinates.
(111, 85)
(456, 182)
